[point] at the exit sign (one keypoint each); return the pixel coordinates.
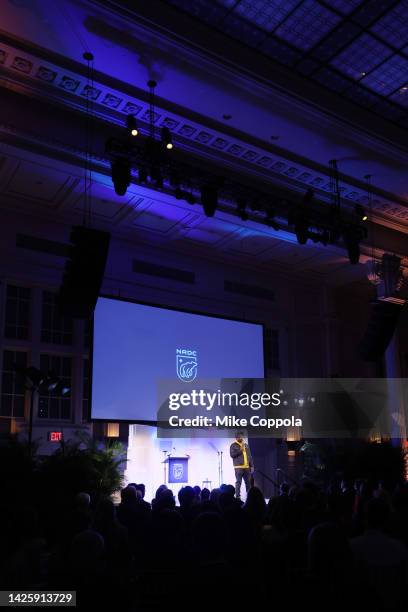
(55, 436)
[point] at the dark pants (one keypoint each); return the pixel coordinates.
(245, 474)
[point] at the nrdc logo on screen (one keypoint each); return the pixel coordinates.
(187, 364)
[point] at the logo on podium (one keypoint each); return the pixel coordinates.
(178, 469)
(187, 364)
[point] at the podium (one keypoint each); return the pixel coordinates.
(177, 469)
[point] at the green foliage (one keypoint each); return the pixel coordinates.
(83, 464)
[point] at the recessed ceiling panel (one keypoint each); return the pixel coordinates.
(307, 25)
(266, 14)
(393, 27)
(364, 54)
(389, 76)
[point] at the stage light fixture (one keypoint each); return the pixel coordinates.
(352, 236)
(270, 218)
(302, 232)
(361, 213)
(142, 175)
(51, 382)
(167, 138)
(209, 199)
(255, 204)
(270, 214)
(299, 217)
(156, 175)
(62, 390)
(131, 125)
(325, 237)
(120, 175)
(241, 209)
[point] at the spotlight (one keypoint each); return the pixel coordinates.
(120, 175)
(270, 214)
(325, 237)
(361, 213)
(352, 236)
(51, 382)
(209, 199)
(241, 208)
(61, 389)
(131, 125)
(142, 175)
(301, 230)
(156, 176)
(166, 138)
(255, 204)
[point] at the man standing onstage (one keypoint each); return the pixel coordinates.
(243, 464)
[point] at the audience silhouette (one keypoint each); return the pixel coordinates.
(346, 545)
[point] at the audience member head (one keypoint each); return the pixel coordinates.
(105, 515)
(164, 500)
(226, 500)
(358, 484)
(205, 494)
(255, 504)
(227, 488)
(186, 496)
(160, 490)
(284, 488)
(142, 489)
(215, 496)
(83, 501)
(128, 495)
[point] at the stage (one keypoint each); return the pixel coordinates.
(146, 454)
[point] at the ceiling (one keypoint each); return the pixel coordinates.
(356, 48)
(235, 119)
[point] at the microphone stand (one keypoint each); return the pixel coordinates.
(165, 455)
(220, 472)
